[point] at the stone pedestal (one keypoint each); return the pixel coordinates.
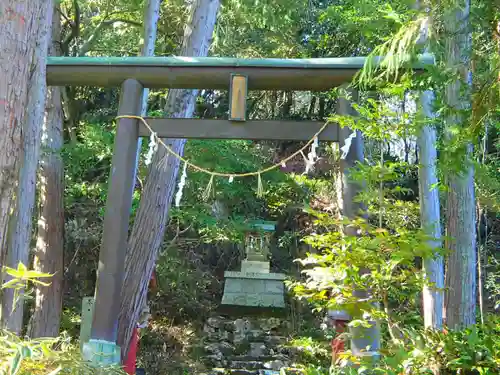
(255, 289)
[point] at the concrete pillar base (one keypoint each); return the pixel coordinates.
(101, 353)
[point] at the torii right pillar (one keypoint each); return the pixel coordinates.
(365, 342)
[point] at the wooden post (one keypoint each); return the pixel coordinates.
(115, 230)
(87, 315)
(364, 341)
(238, 97)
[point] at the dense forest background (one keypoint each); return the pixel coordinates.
(203, 238)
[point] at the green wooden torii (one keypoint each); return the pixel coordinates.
(135, 73)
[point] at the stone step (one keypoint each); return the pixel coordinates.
(247, 365)
(275, 364)
(234, 372)
(223, 371)
(261, 358)
(275, 340)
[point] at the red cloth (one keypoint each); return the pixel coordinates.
(130, 363)
(338, 345)
(153, 283)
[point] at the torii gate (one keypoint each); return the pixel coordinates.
(135, 73)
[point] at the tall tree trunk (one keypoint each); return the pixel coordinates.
(17, 45)
(430, 216)
(21, 226)
(152, 215)
(460, 296)
(49, 252)
(430, 219)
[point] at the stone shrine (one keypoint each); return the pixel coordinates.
(255, 285)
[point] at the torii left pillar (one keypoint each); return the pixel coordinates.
(102, 349)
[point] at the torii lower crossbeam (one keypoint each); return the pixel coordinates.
(262, 130)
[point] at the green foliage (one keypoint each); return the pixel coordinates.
(310, 351)
(487, 181)
(112, 24)
(186, 283)
(248, 28)
(473, 350)
(41, 356)
(380, 263)
(71, 320)
(171, 348)
(259, 28)
(21, 277)
(49, 356)
(231, 203)
(383, 260)
(353, 27)
(87, 165)
(20, 280)
(493, 280)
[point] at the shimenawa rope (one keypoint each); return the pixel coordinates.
(220, 174)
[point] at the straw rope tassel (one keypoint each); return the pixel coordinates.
(209, 188)
(153, 146)
(180, 188)
(260, 188)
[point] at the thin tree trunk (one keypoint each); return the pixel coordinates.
(287, 105)
(480, 249)
(152, 14)
(426, 159)
(322, 104)
(49, 252)
(430, 216)
(21, 226)
(460, 296)
(152, 216)
(71, 111)
(151, 17)
(274, 104)
(312, 107)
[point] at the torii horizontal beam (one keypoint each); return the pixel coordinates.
(319, 74)
(224, 129)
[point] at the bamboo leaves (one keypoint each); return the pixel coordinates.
(20, 279)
